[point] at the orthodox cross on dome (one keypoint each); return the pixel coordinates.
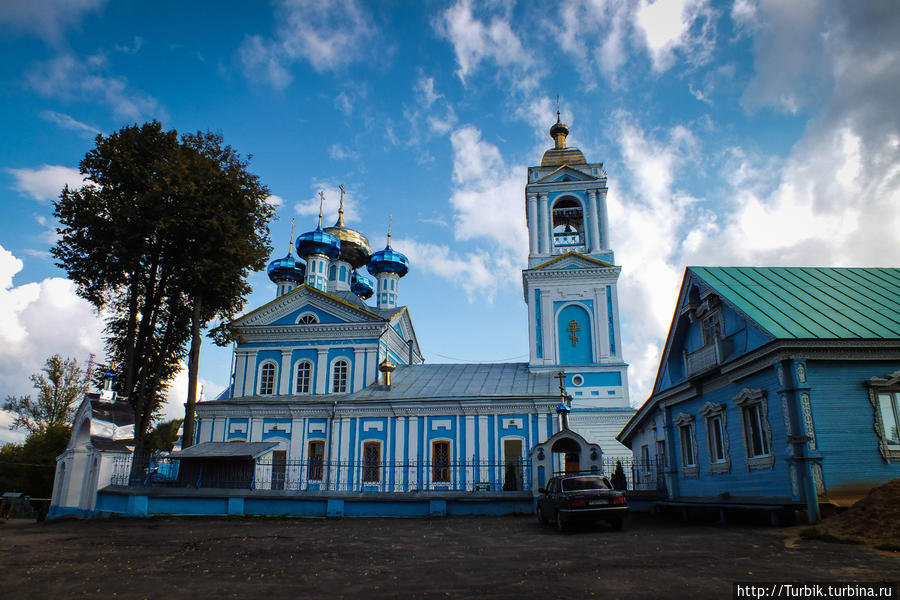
(390, 222)
(557, 108)
(321, 205)
(291, 243)
(340, 221)
(573, 329)
(562, 386)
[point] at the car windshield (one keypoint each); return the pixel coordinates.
(584, 483)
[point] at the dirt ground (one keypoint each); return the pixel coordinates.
(472, 557)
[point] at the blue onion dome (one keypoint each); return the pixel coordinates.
(355, 247)
(318, 242)
(388, 261)
(361, 286)
(286, 268)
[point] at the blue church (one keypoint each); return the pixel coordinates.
(777, 387)
(330, 394)
(331, 373)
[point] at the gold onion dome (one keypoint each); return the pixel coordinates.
(559, 154)
(355, 247)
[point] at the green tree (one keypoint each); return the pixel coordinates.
(141, 240)
(618, 479)
(163, 436)
(60, 386)
(228, 237)
(30, 467)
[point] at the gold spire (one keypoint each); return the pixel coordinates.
(321, 205)
(340, 221)
(390, 222)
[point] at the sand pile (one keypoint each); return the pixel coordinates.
(874, 519)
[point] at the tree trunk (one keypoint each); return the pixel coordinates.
(187, 438)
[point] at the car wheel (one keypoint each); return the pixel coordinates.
(560, 522)
(617, 523)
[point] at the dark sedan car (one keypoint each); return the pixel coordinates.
(582, 498)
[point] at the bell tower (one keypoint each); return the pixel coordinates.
(571, 288)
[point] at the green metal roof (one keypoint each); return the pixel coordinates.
(813, 302)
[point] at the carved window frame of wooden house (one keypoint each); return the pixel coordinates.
(754, 407)
(884, 395)
(715, 416)
(687, 437)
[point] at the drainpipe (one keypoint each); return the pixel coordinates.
(330, 445)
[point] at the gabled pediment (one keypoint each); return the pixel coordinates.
(707, 330)
(305, 300)
(402, 324)
(565, 173)
(571, 260)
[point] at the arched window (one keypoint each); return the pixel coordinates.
(307, 319)
(339, 376)
(267, 379)
(568, 225)
(304, 377)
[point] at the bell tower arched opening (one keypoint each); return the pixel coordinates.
(568, 226)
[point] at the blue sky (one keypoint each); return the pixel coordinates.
(733, 133)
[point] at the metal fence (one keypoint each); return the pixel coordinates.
(274, 473)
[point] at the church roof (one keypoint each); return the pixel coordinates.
(428, 381)
(812, 302)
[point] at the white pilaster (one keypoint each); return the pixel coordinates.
(249, 374)
(321, 370)
(359, 356)
(240, 372)
(532, 218)
(595, 224)
(284, 383)
(545, 224)
(604, 221)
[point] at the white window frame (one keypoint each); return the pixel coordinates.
(309, 382)
(687, 436)
(715, 413)
(754, 407)
(333, 370)
(878, 388)
(311, 317)
(259, 380)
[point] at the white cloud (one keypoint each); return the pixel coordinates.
(68, 78)
(176, 394)
(275, 202)
(473, 271)
(426, 91)
(830, 202)
(67, 122)
(476, 41)
(38, 320)
(47, 19)
(310, 206)
(789, 44)
(340, 152)
(487, 198)
(328, 34)
(45, 183)
(670, 25)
